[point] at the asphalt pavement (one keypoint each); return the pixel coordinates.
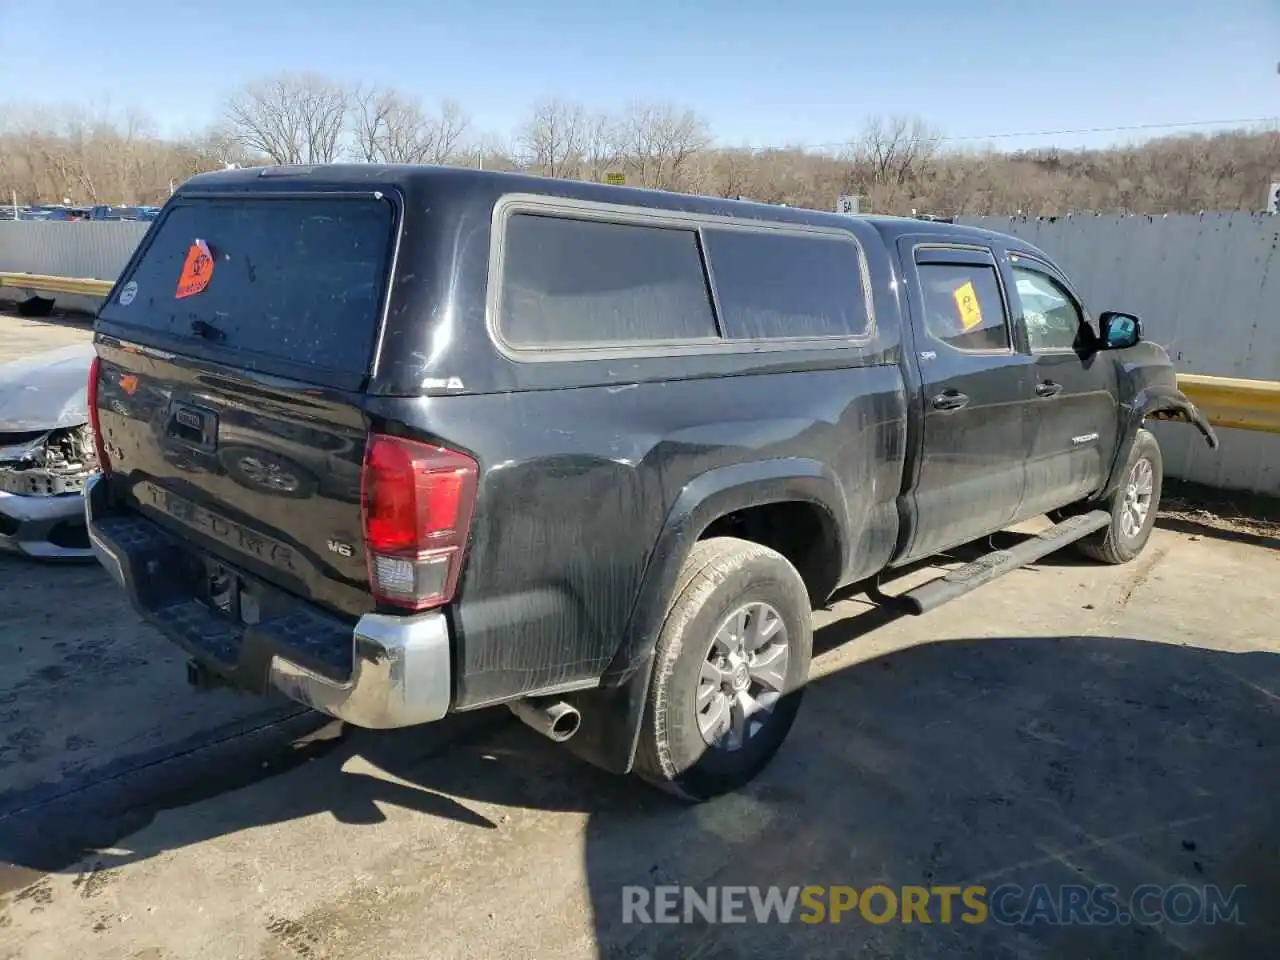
(1069, 724)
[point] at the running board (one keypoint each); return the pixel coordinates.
(972, 575)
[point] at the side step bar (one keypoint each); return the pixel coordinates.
(972, 575)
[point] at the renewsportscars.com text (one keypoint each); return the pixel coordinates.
(1008, 904)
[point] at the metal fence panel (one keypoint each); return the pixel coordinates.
(69, 248)
(1207, 287)
(97, 250)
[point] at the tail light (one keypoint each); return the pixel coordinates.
(91, 399)
(417, 503)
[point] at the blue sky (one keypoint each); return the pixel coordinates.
(797, 71)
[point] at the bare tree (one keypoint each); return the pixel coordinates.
(730, 173)
(493, 152)
(552, 139)
(92, 153)
(218, 147)
(890, 159)
(602, 146)
(391, 128)
(448, 131)
(72, 153)
(291, 118)
(375, 124)
(661, 139)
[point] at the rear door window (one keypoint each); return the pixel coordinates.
(963, 307)
(777, 284)
(295, 283)
(581, 283)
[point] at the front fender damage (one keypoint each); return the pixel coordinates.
(1173, 404)
(47, 464)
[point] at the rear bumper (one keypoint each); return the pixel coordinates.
(399, 678)
(386, 671)
(47, 528)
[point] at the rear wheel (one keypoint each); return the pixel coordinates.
(1133, 506)
(729, 670)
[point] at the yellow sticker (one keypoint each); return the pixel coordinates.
(967, 304)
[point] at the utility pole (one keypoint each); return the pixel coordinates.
(1273, 192)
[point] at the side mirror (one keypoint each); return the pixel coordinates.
(1120, 330)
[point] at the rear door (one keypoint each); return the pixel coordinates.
(1074, 415)
(234, 354)
(975, 385)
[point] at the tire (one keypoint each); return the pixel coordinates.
(1119, 542)
(725, 579)
(36, 307)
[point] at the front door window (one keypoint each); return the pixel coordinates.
(1052, 319)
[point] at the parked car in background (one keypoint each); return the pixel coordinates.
(53, 212)
(46, 454)
(107, 212)
(589, 451)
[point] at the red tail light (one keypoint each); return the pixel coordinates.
(91, 399)
(418, 501)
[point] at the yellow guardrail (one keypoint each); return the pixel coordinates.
(1232, 402)
(1225, 401)
(40, 283)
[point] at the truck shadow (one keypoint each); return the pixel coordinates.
(1012, 760)
(1217, 531)
(1054, 760)
(73, 318)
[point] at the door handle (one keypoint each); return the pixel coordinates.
(950, 400)
(1048, 389)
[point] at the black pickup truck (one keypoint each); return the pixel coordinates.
(403, 441)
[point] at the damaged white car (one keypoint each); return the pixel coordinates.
(46, 454)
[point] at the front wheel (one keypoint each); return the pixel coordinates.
(1133, 505)
(729, 670)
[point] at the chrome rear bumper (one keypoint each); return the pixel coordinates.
(400, 665)
(399, 678)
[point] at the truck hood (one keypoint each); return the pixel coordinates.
(45, 391)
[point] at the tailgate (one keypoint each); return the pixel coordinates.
(233, 355)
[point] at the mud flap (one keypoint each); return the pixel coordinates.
(611, 718)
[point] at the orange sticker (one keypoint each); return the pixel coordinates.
(129, 384)
(197, 271)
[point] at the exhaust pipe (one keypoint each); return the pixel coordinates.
(554, 719)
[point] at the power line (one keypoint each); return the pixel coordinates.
(1128, 128)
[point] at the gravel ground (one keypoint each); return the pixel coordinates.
(22, 336)
(1070, 723)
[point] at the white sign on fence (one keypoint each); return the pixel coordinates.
(1273, 199)
(846, 204)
